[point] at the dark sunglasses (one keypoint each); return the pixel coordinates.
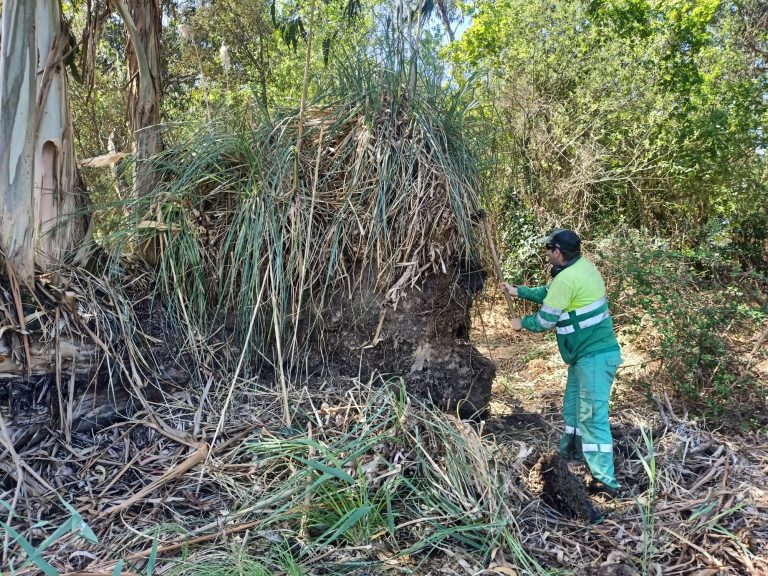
(550, 246)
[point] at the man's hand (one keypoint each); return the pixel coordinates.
(517, 324)
(508, 289)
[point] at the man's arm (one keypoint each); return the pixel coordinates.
(537, 294)
(555, 301)
(545, 319)
(533, 294)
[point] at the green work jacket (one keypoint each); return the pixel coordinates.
(575, 305)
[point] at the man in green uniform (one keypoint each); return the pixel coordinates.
(574, 304)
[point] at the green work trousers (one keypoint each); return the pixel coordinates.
(585, 412)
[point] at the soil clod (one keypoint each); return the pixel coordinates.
(609, 570)
(559, 488)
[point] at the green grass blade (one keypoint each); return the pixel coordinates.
(343, 524)
(33, 554)
(325, 469)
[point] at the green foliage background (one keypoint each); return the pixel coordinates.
(641, 124)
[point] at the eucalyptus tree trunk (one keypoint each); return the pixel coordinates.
(143, 26)
(17, 117)
(41, 202)
(62, 219)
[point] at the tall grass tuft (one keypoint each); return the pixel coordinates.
(647, 503)
(386, 189)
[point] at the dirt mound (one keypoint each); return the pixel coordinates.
(423, 337)
(558, 487)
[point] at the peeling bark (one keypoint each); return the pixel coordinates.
(142, 22)
(17, 115)
(61, 218)
(41, 201)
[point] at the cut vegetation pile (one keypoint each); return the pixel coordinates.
(264, 273)
(370, 481)
(364, 479)
(69, 359)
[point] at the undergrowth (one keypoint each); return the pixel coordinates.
(695, 312)
(390, 482)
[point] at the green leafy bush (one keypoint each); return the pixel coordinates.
(694, 311)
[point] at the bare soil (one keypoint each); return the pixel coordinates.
(423, 336)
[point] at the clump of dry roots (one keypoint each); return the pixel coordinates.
(246, 233)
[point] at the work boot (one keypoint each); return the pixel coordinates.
(597, 488)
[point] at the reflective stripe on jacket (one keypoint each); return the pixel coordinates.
(575, 305)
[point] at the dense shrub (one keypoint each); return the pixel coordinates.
(694, 312)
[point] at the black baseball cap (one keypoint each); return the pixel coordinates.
(566, 240)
